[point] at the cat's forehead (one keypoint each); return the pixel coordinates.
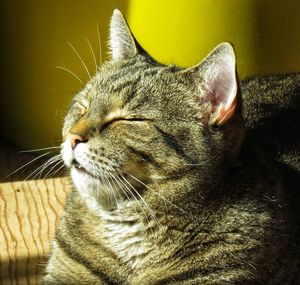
(135, 72)
(127, 79)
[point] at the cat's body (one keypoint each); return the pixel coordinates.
(271, 107)
(241, 239)
(168, 188)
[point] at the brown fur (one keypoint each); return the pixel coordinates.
(179, 198)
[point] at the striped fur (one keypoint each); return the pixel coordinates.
(162, 193)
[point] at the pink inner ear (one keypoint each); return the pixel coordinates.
(218, 88)
(222, 95)
(224, 113)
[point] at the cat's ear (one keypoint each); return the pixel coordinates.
(217, 83)
(122, 42)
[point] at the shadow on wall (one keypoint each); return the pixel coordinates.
(35, 36)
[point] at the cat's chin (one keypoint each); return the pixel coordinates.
(83, 171)
(92, 189)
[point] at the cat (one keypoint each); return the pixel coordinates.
(172, 184)
(271, 108)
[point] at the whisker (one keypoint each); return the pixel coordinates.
(116, 187)
(132, 194)
(138, 194)
(69, 71)
(104, 180)
(121, 185)
(26, 164)
(120, 198)
(94, 57)
(84, 65)
(39, 149)
(148, 222)
(148, 207)
(203, 162)
(162, 197)
(32, 174)
(114, 178)
(41, 168)
(100, 45)
(49, 162)
(112, 190)
(61, 173)
(53, 167)
(126, 189)
(60, 168)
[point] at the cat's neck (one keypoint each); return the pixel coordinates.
(131, 230)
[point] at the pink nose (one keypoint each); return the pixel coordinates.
(75, 139)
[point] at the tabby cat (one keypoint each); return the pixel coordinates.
(171, 184)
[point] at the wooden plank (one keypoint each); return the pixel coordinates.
(29, 213)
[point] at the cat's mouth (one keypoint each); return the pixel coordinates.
(81, 169)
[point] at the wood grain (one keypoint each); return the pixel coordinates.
(29, 213)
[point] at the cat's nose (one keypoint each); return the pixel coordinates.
(75, 139)
(79, 132)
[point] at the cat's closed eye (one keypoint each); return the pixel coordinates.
(122, 120)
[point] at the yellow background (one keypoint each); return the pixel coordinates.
(35, 35)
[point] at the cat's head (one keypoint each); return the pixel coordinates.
(138, 122)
